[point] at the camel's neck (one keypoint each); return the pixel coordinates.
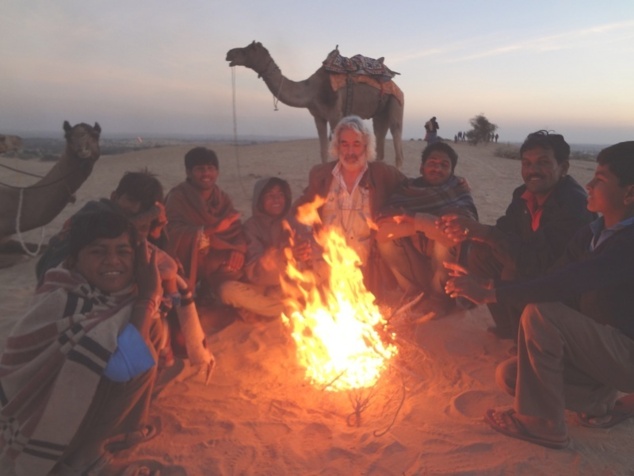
(291, 93)
(67, 175)
(42, 201)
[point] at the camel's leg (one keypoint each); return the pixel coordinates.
(322, 132)
(396, 129)
(397, 134)
(380, 124)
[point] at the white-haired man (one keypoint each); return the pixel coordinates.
(355, 189)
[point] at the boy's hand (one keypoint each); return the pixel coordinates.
(235, 262)
(226, 222)
(147, 274)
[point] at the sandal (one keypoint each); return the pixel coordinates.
(129, 440)
(623, 410)
(507, 423)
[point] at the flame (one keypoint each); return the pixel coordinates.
(332, 316)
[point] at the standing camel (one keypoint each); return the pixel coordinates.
(44, 200)
(324, 103)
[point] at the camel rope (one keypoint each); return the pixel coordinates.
(20, 171)
(18, 219)
(235, 130)
(276, 97)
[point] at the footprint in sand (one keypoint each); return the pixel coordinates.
(316, 431)
(473, 404)
(239, 459)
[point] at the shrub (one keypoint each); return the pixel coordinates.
(508, 151)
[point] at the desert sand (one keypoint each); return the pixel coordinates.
(259, 415)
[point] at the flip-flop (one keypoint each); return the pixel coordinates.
(615, 415)
(515, 429)
(134, 438)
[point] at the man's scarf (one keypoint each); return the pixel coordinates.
(51, 366)
(415, 196)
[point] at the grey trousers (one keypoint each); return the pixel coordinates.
(565, 360)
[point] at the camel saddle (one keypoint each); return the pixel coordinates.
(358, 65)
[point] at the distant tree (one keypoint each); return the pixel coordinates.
(482, 130)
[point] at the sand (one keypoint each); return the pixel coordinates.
(259, 415)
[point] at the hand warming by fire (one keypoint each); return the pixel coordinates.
(333, 319)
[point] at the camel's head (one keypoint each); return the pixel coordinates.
(82, 141)
(254, 56)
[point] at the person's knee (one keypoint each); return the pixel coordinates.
(229, 292)
(481, 262)
(506, 375)
(388, 249)
(535, 317)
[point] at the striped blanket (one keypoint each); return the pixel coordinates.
(415, 196)
(51, 366)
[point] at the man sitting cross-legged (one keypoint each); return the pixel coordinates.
(544, 214)
(408, 239)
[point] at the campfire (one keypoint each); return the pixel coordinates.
(337, 328)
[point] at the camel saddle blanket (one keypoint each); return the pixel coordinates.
(338, 81)
(358, 65)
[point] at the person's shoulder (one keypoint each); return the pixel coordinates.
(568, 184)
(380, 166)
(518, 192)
(324, 167)
(322, 170)
(176, 191)
(177, 188)
(570, 193)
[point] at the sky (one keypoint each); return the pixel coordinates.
(157, 67)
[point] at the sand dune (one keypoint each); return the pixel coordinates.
(259, 416)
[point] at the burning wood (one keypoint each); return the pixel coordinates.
(333, 319)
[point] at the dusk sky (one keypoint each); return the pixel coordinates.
(152, 67)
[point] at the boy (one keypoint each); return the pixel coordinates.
(259, 293)
(79, 367)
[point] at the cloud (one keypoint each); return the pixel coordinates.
(573, 39)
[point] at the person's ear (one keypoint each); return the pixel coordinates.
(628, 199)
(564, 168)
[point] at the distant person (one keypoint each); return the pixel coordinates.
(258, 294)
(204, 229)
(576, 338)
(431, 131)
(460, 136)
(543, 215)
(409, 241)
(496, 138)
(355, 189)
(79, 367)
